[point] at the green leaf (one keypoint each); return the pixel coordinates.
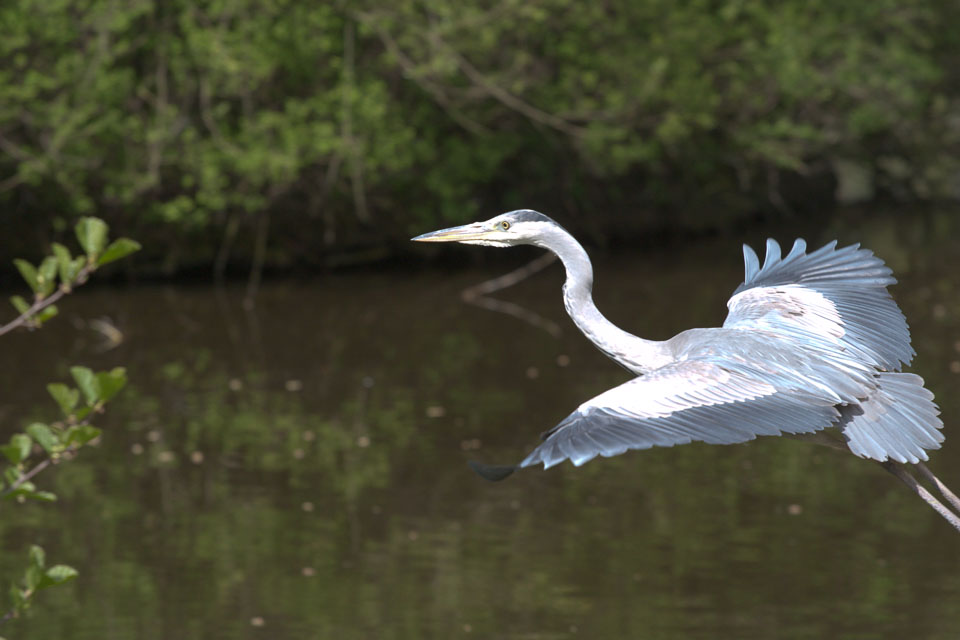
(66, 397)
(32, 577)
(87, 382)
(38, 557)
(29, 273)
(46, 314)
(43, 496)
(68, 271)
(78, 264)
(47, 276)
(17, 597)
(19, 448)
(43, 435)
(20, 304)
(12, 453)
(111, 382)
(25, 489)
(120, 248)
(34, 573)
(80, 435)
(28, 490)
(92, 236)
(57, 574)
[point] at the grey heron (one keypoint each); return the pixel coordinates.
(812, 341)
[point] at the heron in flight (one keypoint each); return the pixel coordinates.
(811, 341)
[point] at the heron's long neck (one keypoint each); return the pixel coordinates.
(634, 353)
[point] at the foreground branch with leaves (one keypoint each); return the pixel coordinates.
(44, 444)
(72, 272)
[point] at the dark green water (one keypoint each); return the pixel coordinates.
(298, 471)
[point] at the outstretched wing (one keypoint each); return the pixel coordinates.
(713, 402)
(837, 295)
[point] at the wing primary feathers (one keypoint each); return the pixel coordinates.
(773, 254)
(751, 263)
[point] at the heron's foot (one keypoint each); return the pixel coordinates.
(944, 490)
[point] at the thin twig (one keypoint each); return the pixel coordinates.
(42, 303)
(509, 279)
(503, 96)
(424, 82)
(476, 295)
(26, 477)
(11, 182)
(259, 258)
(223, 254)
(46, 462)
(347, 100)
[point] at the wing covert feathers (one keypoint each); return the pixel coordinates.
(841, 293)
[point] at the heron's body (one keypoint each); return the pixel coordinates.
(811, 341)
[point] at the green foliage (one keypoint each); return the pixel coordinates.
(56, 441)
(66, 397)
(92, 235)
(29, 273)
(60, 440)
(62, 437)
(18, 449)
(118, 249)
(416, 113)
(38, 577)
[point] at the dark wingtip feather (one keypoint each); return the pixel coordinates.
(492, 472)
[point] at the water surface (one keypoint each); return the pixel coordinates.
(298, 470)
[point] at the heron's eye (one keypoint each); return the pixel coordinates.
(504, 225)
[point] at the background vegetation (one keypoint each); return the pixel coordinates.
(275, 131)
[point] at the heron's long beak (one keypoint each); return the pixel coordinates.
(474, 231)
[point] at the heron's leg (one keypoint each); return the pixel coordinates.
(897, 469)
(942, 488)
(825, 439)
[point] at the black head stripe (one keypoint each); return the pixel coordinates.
(529, 215)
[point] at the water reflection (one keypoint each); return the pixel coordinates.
(298, 472)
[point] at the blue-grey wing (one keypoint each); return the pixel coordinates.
(692, 400)
(828, 297)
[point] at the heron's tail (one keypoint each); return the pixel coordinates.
(898, 422)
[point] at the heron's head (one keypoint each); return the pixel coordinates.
(523, 226)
